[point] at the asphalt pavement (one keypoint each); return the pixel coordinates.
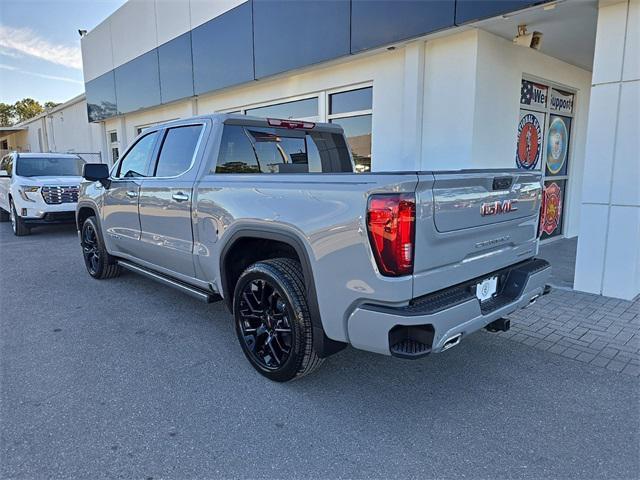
(126, 378)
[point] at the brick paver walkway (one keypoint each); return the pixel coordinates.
(602, 331)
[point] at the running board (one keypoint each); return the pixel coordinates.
(195, 292)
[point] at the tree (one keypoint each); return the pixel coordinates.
(50, 105)
(7, 115)
(27, 108)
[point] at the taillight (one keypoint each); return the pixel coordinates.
(391, 224)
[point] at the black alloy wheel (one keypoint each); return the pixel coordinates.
(90, 249)
(265, 324)
(272, 320)
(99, 263)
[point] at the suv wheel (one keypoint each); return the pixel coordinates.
(99, 263)
(272, 320)
(17, 224)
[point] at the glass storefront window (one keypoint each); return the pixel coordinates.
(298, 109)
(544, 140)
(358, 133)
(352, 110)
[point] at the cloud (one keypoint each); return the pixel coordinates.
(25, 41)
(4, 66)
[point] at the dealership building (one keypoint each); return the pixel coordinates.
(416, 85)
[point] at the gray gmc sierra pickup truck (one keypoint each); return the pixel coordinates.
(268, 215)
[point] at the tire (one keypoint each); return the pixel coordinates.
(17, 224)
(99, 263)
(272, 320)
(4, 216)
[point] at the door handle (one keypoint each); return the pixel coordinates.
(132, 194)
(180, 197)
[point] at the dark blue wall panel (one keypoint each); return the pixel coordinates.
(289, 35)
(176, 68)
(471, 10)
(223, 50)
(138, 83)
(375, 23)
(101, 97)
(265, 37)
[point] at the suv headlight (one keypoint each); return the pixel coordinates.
(25, 189)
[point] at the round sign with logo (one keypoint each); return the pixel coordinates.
(551, 208)
(557, 143)
(529, 142)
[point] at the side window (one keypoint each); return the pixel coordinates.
(178, 149)
(278, 153)
(134, 163)
(236, 152)
(277, 150)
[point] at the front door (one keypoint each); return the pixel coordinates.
(121, 222)
(165, 203)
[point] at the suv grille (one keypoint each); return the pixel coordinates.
(60, 194)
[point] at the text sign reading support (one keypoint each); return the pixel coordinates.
(561, 101)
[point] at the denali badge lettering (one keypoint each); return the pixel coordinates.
(497, 207)
(493, 241)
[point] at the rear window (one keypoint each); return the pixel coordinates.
(49, 167)
(246, 149)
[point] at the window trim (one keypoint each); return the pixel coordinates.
(243, 109)
(124, 155)
(163, 135)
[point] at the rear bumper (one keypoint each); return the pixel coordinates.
(449, 312)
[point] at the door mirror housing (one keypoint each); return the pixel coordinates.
(4, 174)
(96, 172)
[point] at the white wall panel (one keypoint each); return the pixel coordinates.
(449, 97)
(622, 261)
(601, 140)
(591, 248)
(97, 52)
(204, 10)
(624, 190)
(610, 47)
(133, 30)
(631, 70)
(173, 19)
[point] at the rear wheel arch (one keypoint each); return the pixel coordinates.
(279, 243)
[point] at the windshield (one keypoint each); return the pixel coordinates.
(49, 167)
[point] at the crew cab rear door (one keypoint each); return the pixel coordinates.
(470, 223)
(166, 238)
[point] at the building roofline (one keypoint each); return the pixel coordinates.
(62, 106)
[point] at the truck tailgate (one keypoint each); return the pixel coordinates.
(470, 223)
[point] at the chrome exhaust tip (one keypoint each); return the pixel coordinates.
(452, 342)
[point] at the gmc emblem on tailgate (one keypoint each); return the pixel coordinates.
(498, 207)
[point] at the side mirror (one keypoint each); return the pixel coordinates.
(96, 172)
(4, 174)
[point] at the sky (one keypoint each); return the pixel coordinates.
(40, 46)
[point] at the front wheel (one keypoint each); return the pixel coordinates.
(99, 263)
(272, 320)
(17, 223)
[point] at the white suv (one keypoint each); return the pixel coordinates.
(38, 189)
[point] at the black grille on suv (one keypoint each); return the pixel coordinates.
(60, 194)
